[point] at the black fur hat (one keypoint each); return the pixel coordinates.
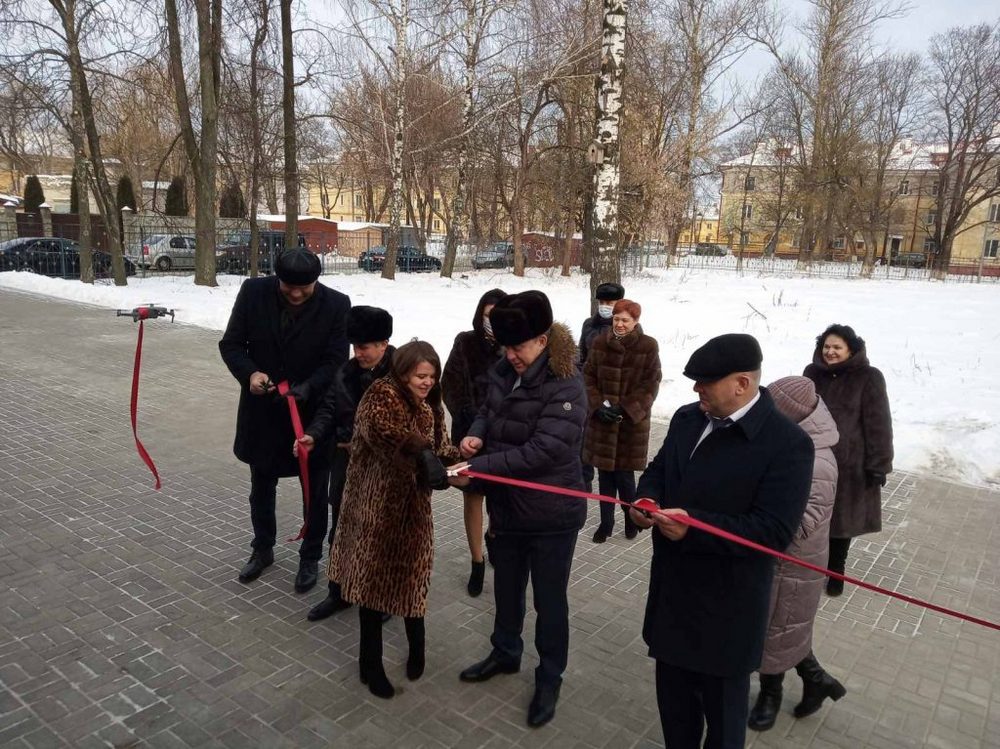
(519, 317)
(610, 292)
(723, 355)
(298, 267)
(368, 324)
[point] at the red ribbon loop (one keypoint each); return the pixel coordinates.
(293, 411)
(708, 528)
(134, 406)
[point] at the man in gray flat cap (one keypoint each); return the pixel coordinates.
(286, 327)
(731, 460)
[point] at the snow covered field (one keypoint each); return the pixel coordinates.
(938, 344)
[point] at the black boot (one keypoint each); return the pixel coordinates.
(765, 710)
(307, 575)
(329, 606)
(475, 586)
(415, 637)
(817, 685)
(259, 560)
(370, 657)
(631, 529)
(837, 563)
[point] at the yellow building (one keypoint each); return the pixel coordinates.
(758, 194)
(706, 228)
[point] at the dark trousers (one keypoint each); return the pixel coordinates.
(588, 478)
(688, 700)
(620, 484)
(263, 490)
(546, 559)
(838, 554)
(338, 478)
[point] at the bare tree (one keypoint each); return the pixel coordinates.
(965, 87)
(202, 152)
(291, 170)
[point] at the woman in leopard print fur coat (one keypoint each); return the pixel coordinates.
(384, 547)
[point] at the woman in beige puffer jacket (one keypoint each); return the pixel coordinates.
(796, 591)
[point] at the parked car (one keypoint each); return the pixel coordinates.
(234, 255)
(372, 259)
(910, 260)
(54, 256)
(415, 260)
(164, 252)
(706, 249)
(497, 255)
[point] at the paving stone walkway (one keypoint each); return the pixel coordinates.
(122, 623)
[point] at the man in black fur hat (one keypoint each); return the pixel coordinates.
(530, 427)
(286, 327)
(368, 330)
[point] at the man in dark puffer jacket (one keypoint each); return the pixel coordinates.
(368, 330)
(531, 428)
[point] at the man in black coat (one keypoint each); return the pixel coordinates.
(530, 427)
(606, 295)
(288, 328)
(368, 330)
(731, 460)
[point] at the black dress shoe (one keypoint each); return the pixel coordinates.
(487, 669)
(327, 607)
(543, 705)
(307, 575)
(259, 561)
(600, 536)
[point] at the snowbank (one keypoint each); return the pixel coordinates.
(936, 343)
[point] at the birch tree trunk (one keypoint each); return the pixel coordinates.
(288, 122)
(606, 261)
(401, 22)
(81, 172)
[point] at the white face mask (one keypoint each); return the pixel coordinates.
(487, 327)
(605, 311)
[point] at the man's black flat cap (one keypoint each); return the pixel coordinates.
(723, 355)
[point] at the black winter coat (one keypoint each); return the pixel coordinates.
(465, 378)
(333, 423)
(310, 352)
(592, 327)
(855, 393)
(707, 609)
(534, 433)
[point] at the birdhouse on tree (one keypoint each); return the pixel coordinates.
(595, 153)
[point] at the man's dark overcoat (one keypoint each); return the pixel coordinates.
(309, 351)
(708, 598)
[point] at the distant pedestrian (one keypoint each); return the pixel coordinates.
(796, 591)
(384, 548)
(368, 330)
(731, 460)
(464, 384)
(286, 327)
(855, 393)
(622, 375)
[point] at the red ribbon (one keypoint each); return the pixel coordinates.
(651, 507)
(134, 407)
(303, 451)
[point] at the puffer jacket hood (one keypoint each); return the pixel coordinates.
(820, 426)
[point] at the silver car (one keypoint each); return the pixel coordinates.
(164, 252)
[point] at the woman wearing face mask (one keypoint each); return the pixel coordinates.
(384, 547)
(464, 384)
(855, 393)
(622, 375)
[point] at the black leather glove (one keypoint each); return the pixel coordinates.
(874, 478)
(299, 392)
(431, 470)
(610, 414)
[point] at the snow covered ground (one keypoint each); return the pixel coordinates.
(938, 344)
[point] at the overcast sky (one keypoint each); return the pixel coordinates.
(911, 33)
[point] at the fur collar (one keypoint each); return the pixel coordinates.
(562, 351)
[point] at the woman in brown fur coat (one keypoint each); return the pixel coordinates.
(384, 548)
(622, 375)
